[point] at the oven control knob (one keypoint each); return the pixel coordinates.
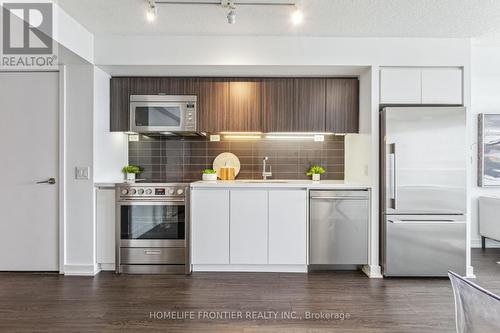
(140, 191)
(170, 191)
(180, 191)
(149, 191)
(133, 191)
(124, 191)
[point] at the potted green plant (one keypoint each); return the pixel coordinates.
(315, 171)
(130, 172)
(209, 174)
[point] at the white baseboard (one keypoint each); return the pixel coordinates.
(81, 270)
(476, 243)
(372, 271)
(107, 267)
(251, 268)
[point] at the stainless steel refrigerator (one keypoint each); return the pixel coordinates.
(423, 190)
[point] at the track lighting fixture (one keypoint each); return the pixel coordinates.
(297, 16)
(231, 17)
(152, 11)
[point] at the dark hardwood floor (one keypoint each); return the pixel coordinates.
(108, 302)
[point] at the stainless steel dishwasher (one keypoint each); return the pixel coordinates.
(338, 228)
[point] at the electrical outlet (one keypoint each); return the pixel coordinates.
(214, 137)
(319, 138)
(82, 173)
(133, 137)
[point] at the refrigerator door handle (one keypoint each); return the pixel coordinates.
(393, 179)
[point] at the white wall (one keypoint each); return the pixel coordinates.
(79, 224)
(278, 51)
(110, 148)
(485, 98)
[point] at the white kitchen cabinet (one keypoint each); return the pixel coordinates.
(442, 86)
(105, 227)
(288, 227)
(437, 85)
(210, 226)
(400, 86)
(248, 226)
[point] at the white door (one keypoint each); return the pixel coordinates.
(210, 226)
(288, 227)
(248, 227)
(29, 108)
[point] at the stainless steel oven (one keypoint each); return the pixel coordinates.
(152, 228)
(163, 114)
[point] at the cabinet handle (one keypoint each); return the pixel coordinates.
(152, 252)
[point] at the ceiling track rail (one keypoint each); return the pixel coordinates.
(225, 3)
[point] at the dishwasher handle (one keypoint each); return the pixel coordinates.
(338, 198)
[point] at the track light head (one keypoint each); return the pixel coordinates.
(231, 17)
(152, 11)
(297, 16)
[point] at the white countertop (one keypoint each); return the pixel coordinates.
(273, 183)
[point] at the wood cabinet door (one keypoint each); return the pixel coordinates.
(248, 227)
(288, 227)
(342, 105)
(213, 105)
(310, 105)
(210, 226)
(178, 86)
(119, 104)
(144, 85)
(277, 104)
(245, 105)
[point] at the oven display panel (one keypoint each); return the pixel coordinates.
(159, 191)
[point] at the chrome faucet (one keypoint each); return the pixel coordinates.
(265, 173)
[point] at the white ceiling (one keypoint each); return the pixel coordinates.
(336, 18)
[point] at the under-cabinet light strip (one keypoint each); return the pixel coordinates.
(242, 137)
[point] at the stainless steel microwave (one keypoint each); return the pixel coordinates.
(163, 114)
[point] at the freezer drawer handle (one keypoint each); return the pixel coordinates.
(424, 221)
(152, 252)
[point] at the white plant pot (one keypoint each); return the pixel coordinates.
(209, 176)
(130, 178)
(316, 177)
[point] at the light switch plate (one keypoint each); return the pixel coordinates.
(82, 173)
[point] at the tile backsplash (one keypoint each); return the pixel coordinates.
(182, 159)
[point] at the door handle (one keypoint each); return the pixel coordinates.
(50, 181)
(394, 187)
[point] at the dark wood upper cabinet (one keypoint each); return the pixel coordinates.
(178, 86)
(309, 105)
(277, 104)
(213, 105)
(119, 104)
(245, 105)
(342, 105)
(144, 85)
(251, 104)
